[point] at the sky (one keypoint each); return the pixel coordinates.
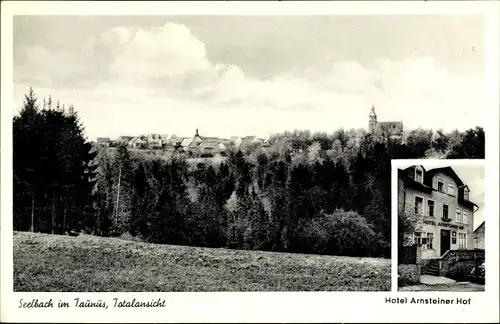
(238, 76)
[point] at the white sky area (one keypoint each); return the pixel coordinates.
(473, 177)
(253, 75)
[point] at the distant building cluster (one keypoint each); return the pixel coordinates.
(385, 129)
(196, 143)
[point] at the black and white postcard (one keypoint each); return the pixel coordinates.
(249, 161)
(441, 225)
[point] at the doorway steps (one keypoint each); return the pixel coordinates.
(431, 268)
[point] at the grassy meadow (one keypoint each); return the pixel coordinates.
(55, 263)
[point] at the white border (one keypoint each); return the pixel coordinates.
(245, 8)
(490, 209)
(268, 307)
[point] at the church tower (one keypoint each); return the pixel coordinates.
(372, 125)
(197, 134)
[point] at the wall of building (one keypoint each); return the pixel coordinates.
(435, 224)
(431, 253)
(479, 238)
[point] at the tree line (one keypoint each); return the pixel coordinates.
(305, 193)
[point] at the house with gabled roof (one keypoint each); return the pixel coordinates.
(186, 142)
(440, 200)
(175, 140)
(124, 139)
(250, 140)
(266, 142)
(224, 144)
(164, 138)
(235, 140)
(209, 145)
(154, 141)
(103, 141)
(479, 242)
(194, 144)
(138, 142)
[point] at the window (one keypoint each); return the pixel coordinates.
(419, 205)
(426, 239)
(453, 237)
(423, 240)
(417, 238)
(459, 216)
(451, 189)
(465, 217)
(462, 240)
(466, 193)
(430, 207)
(440, 184)
(419, 175)
(445, 211)
(430, 240)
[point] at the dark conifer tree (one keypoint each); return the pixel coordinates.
(27, 150)
(53, 171)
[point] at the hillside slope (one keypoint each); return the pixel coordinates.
(45, 262)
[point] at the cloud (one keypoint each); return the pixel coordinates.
(118, 35)
(168, 66)
(169, 51)
(39, 64)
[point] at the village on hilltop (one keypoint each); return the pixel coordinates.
(202, 144)
(197, 142)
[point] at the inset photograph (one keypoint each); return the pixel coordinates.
(441, 227)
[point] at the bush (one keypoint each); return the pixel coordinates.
(314, 235)
(460, 271)
(340, 233)
(408, 275)
(350, 234)
(129, 237)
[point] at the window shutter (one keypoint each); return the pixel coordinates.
(434, 183)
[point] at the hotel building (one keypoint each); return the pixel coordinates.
(440, 201)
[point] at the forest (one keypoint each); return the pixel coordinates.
(305, 193)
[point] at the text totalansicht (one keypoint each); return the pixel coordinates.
(134, 303)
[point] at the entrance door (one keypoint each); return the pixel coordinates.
(445, 241)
